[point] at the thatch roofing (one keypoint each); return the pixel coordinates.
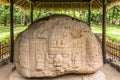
(82, 4)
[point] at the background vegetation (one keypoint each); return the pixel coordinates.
(22, 20)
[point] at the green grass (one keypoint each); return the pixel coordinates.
(112, 32)
(5, 31)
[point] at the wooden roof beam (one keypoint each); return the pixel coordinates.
(92, 1)
(29, 1)
(58, 1)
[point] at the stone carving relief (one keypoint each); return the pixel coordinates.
(57, 46)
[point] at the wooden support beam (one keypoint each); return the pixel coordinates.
(11, 31)
(29, 1)
(92, 1)
(31, 12)
(89, 14)
(104, 33)
(58, 0)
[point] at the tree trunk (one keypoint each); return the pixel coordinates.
(0, 18)
(25, 20)
(22, 19)
(113, 15)
(119, 22)
(5, 22)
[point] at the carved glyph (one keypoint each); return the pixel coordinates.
(57, 46)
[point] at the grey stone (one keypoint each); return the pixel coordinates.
(96, 76)
(57, 46)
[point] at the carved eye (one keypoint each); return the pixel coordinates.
(65, 55)
(80, 35)
(51, 55)
(51, 50)
(52, 43)
(84, 31)
(34, 35)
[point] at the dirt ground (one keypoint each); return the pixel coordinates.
(110, 72)
(5, 71)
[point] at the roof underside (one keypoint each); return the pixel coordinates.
(81, 4)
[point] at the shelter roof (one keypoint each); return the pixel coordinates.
(82, 4)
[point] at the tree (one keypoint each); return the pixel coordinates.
(5, 14)
(22, 16)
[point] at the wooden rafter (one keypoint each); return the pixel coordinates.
(104, 33)
(59, 0)
(11, 31)
(95, 4)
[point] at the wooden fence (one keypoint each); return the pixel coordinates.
(113, 50)
(4, 52)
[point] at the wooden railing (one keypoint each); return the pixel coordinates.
(4, 51)
(113, 50)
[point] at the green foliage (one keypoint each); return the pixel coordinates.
(4, 14)
(22, 18)
(5, 32)
(113, 15)
(113, 37)
(4, 38)
(112, 32)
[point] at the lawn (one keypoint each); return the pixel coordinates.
(112, 32)
(5, 31)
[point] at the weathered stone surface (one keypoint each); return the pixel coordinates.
(96, 76)
(57, 45)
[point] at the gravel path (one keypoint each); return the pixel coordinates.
(5, 71)
(110, 72)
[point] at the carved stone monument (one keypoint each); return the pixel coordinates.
(57, 45)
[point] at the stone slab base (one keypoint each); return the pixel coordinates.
(97, 76)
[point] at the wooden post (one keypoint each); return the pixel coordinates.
(11, 31)
(104, 33)
(31, 12)
(0, 51)
(89, 13)
(119, 52)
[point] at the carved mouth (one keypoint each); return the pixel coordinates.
(57, 65)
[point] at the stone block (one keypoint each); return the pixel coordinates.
(58, 45)
(96, 76)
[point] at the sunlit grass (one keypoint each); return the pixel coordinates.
(112, 32)
(5, 31)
